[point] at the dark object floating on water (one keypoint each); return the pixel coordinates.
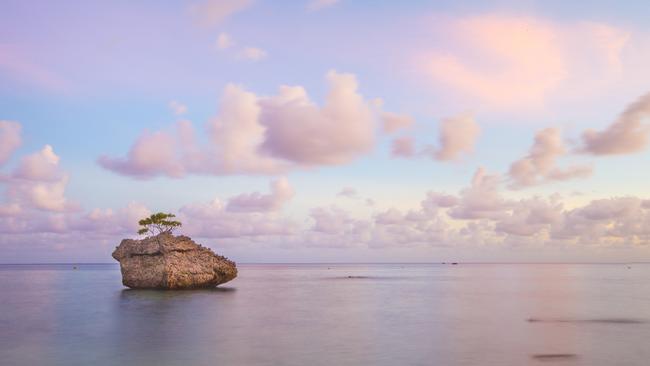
(454, 264)
(602, 321)
(74, 267)
(166, 261)
(554, 356)
(358, 277)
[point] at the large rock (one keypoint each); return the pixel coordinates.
(171, 262)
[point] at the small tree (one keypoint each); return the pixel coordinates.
(158, 223)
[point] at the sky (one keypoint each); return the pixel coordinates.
(327, 131)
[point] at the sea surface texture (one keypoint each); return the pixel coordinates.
(304, 314)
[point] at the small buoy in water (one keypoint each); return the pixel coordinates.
(74, 267)
(454, 263)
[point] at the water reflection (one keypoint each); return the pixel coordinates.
(485, 315)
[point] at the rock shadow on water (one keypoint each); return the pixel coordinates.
(589, 321)
(151, 294)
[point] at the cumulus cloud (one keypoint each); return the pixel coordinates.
(515, 61)
(392, 122)
(260, 135)
(38, 182)
(540, 165)
(281, 192)
(403, 147)
(482, 200)
(298, 130)
(213, 12)
(10, 139)
(627, 135)
(213, 220)
(457, 136)
(152, 154)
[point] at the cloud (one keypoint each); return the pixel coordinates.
(253, 54)
(482, 200)
(331, 220)
(515, 61)
(152, 154)
(403, 147)
(457, 136)
(436, 200)
(212, 220)
(300, 131)
(348, 192)
(214, 12)
(627, 135)
(260, 135)
(38, 183)
(177, 107)
(281, 192)
(392, 122)
(539, 166)
(315, 5)
(10, 139)
(224, 41)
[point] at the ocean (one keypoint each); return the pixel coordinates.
(332, 314)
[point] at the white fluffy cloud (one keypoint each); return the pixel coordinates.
(540, 165)
(627, 135)
(457, 136)
(38, 182)
(392, 122)
(281, 192)
(260, 135)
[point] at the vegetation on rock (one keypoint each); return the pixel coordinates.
(158, 223)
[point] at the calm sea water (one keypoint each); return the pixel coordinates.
(470, 314)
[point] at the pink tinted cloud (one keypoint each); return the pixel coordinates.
(300, 131)
(457, 136)
(152, 154)
(403, 147)
(540, 165)
(260, 135)
(281, 192)
(392, 122)
(627, 135)
(39, 183)
(214, 12)
(519, 62)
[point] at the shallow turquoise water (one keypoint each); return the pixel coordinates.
(470, 314)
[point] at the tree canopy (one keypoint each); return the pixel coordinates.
(158, 223)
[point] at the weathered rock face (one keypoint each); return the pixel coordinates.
(171, 262)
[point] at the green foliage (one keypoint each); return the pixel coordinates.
(158, 223)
